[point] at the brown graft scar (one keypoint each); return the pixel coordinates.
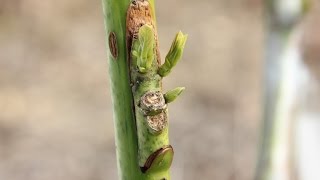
(152, 103)
(158, 122)
(139, 13)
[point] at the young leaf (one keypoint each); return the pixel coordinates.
(143, 48)
(172, 95)
(174, 54)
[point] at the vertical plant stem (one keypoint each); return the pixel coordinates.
(139, 106)
(125, 128)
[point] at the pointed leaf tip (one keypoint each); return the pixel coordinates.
(174, 54)
(172, 95)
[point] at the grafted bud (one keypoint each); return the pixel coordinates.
(143, 48)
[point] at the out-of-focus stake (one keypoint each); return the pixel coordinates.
(284, 71)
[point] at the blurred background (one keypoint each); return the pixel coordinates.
(55, 102)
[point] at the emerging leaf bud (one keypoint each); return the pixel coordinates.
(172, 95)
(143, 48)
(174, 54)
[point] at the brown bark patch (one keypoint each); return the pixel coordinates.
(157, 122)
(113, 45)
(152, 103)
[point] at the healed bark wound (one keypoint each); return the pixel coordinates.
(113, 45)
